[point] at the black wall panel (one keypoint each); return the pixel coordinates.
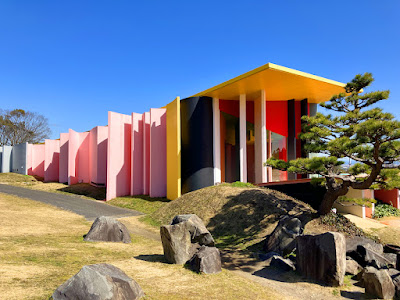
(304, 112)
(197, 143)
(291, 144)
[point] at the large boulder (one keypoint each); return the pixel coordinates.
(207, 260)
(283, 238)
(98, 282)
(177, 245)
(378, 283)
(322, 257)
(108, 229)
(183, 238)
(198, 231)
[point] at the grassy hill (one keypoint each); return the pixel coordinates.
(236, 216)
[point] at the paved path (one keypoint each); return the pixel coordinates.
(366, 223)
(90, 209)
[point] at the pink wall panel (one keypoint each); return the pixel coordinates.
(83, 158)
(73, 147)
(63, 159)
(146, 153)
(38, 160)
(29, 158)
(102, 137)
(158, 152)
(51, 160)
(93, 155)
(98, 155)
(137, 155)
(78, 157)
(118, 155)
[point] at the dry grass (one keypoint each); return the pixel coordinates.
(237, 217)
(41, 247)
(142, 203)
(387, 235)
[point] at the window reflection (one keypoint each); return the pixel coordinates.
(277, 148)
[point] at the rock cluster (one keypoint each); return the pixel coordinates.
(319, 257)
(99, 282)
(377, 268)
(187, 239)
(328, 257)
(107, 229)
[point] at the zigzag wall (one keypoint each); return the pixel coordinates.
(128, 157)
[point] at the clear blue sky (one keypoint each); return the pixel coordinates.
(73, 61)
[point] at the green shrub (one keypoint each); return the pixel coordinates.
(359, 201)
(385, 210)
(242, 184)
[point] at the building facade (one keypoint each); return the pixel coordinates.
(223, 134)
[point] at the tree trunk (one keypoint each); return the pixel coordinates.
(327, 202)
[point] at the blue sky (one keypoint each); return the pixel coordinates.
(73, 61)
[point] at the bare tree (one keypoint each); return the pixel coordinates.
(19, 126)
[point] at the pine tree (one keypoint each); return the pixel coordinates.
(366, 135)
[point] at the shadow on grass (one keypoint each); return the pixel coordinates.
(85, 189)
(353, 295)
(152, 258)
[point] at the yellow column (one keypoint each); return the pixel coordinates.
(174, 149)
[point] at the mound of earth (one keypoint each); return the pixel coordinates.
(236, 215)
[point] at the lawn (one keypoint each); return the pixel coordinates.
(41, 247)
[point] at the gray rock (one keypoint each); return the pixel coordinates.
(98, 282)
(378, 283)
(391, 257)
(322, 257)
(198, 231)
(281, 263)
(352, 267)
(207, 260)
(366, 256)
(353, 242)
(283, 239)
(177, 245)
(108, 229)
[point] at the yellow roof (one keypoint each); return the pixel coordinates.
(279, 83)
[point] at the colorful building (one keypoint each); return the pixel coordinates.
(223, 134)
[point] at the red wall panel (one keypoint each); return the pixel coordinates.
(277, 117)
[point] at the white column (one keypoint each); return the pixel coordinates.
(260, 142)
(242, 138)
(269, 146)
(263, 136)
(216, 141)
